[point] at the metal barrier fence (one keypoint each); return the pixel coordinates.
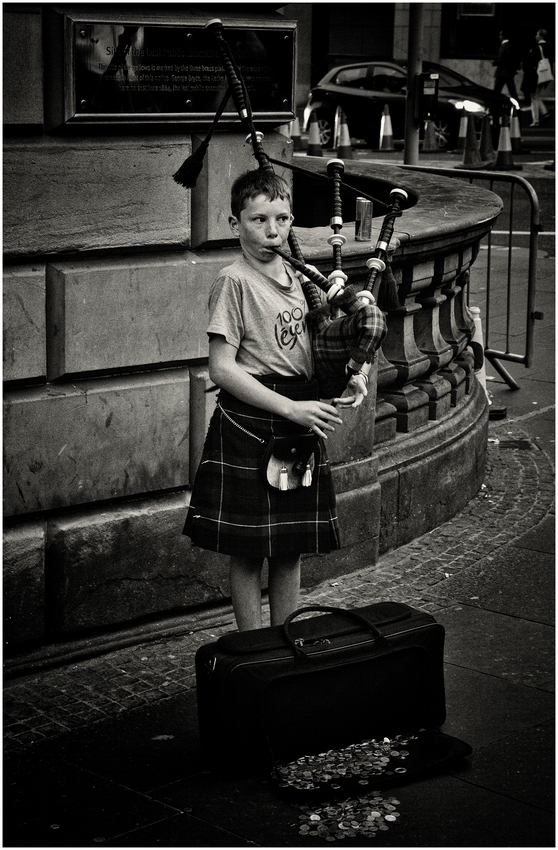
(505, 323)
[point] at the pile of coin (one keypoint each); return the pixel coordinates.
(362, 817)
(360, 763)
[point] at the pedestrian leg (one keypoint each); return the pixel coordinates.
(543, 111)
(535, 107)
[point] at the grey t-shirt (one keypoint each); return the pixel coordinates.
(263, 319)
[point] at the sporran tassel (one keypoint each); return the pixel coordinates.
(307, 477)
(284, 479)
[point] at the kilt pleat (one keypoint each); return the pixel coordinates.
(233, 511)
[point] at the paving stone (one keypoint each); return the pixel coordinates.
(528, 592)
(505, 647)
(520, 766)
(56, 804)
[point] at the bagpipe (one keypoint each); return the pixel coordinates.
(348, 326)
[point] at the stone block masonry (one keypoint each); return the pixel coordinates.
(24, 583)
(104, 347)
(93, 194)
(122, 314)
(24, 323)
(111, 565)
(70, 444)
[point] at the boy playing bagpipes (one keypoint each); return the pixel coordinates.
(264, 488)
(260, 356)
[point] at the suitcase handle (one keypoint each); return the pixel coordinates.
(299, 653)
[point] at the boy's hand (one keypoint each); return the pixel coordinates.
(357, 387)
(315, 415)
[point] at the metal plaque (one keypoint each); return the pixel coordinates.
(149, 73)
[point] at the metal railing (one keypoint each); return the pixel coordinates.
(516, 184)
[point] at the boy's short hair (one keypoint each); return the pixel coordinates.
(258, 182)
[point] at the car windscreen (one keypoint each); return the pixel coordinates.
(382, 78)
(375, 78)
(448, 81)
(353, 77)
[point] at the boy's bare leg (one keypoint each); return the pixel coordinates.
(245, 575)
(284, 587)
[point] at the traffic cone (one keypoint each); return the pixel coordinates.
(296, 136)
(486, 148)
(336, 128)
(504, 159)
(515, 134)
(462, 132)
(479, 366)
(314, 144)
(471, 156)
(386, 132)
(430, 142)
(477, 345)
(344, 150)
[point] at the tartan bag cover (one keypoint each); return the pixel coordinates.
(355, 336)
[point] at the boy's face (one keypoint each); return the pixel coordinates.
(262, 224)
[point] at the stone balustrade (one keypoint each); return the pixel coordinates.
(429, 410)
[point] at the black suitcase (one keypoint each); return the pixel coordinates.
(272, 695)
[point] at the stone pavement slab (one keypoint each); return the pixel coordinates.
(164, 733)
(184, 830)
(497, 766)
(527, 591)
(140, 780)
(510, 648)
(541, 539)
(482, 708)
(439, 812)
(53, 803)
(448, 812)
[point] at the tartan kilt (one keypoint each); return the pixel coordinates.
(233, 511)
(356, 336)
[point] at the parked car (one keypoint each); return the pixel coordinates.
(363, 89)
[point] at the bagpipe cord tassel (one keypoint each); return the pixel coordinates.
(388, 296)
(190, 169)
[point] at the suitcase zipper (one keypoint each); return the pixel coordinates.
(212, 662)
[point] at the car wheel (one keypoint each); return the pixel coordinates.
(443, 132)
(326, 132)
